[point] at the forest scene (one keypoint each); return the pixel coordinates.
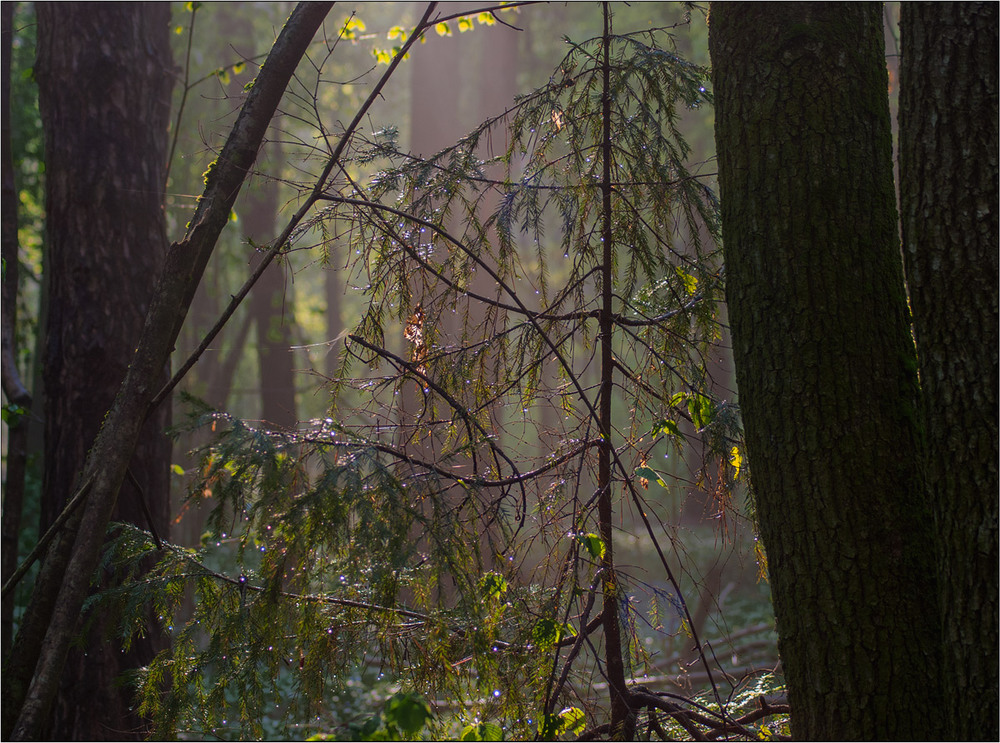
(500, 371)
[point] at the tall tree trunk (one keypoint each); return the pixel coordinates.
(271, 304)
(32, 673)
(825, 362)
(104, 93)
(623, 717)
(948, 193)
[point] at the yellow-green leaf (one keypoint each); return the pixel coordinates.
(486, 19)
(593, 543)
(397, 32)
(572, 719)
(465, 24)
(667, 428)
(735, 459)
(689, 281)
(492, 585)
(443, 29)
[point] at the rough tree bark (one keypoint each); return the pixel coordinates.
(948, 196)
(825, 362)
(32, 675)
(104, 82)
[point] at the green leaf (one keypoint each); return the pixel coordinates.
(443, 29)
(548, 727)
(397, 32)
(482, 731)
(593, 543)
(702, 410)
(12, 414)
(486, 19)
(177, 469)
(648, 473)
(492, 585)
(465, 24)
(573, 720)
(239, 67)
(546, 632)
(569, 720)
(666, 428)
(409, 712)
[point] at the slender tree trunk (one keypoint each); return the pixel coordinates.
(32, 675)
(271, 305)
(948, 193)
(104, 93)
(825, 363)
(623, 718)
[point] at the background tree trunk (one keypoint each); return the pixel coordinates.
(948, 192)
(104, 87)
(825, 362)
(38, 657)
(271, 303)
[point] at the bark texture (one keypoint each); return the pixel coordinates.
(825, 362)
(104, 91)
(949, 199)
(39, 654)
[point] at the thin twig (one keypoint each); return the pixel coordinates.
(43, 543)
(145, 507)
(279, 244)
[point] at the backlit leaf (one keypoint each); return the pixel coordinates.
(492, 585)
(648, 473)
(593, 543)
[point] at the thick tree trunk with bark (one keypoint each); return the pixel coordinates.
(825, 363)
(948, 192)
(32, 674)
(104, 91)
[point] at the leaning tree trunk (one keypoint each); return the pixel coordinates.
(104, 91)
(825, 363)
(948, 194)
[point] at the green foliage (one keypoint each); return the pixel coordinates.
(419, 528)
